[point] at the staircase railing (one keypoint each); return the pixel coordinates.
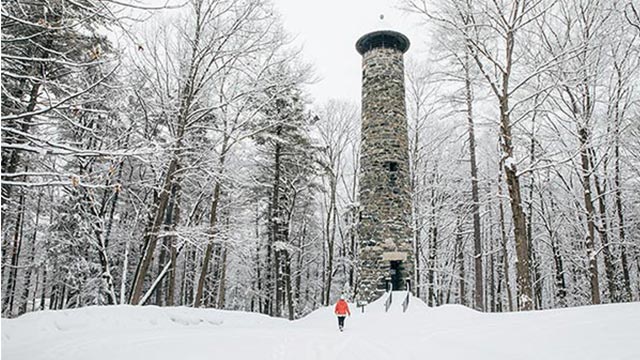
(405, 303)
(387, 303)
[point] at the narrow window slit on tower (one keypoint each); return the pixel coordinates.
(391, 166)
(392, 170)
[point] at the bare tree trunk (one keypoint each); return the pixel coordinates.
(107, 278)
(590, 214)
(499, 269)
(162, 260)
(300, 265)
(415, 204)
(560, 283)
(269, 279)
(433, 247)
(34, 297)
(125, 266)
(151, 237)
(537, 278)
(621, 223)
(44, 286)
(31, 266)
(492, 281)
(222, 276)
(275, 220)
(331, 234)
(460, 254)
(279, 289)
(173, 255)
(12, 279)
(475, 198)
(213, 220)
(523, 268)
(504, 252)
(166, 247)
(289, 294)
(603, 230)
(62, 299)
(258, 277)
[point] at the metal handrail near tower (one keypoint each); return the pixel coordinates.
(405, 303)
(387, 303)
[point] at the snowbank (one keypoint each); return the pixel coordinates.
(608, 332)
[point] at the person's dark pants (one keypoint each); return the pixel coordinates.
(341, 321)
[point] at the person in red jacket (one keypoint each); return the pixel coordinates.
(342, 310)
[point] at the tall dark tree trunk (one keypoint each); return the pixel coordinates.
(151, 237)
(560, 283)
(173, 253)
(43, 287)
(603, 230)
(621, 223)
(162, 260)
(275, 218)
(213, 220)
(222, 278)
(533, 256)
(590, 215)
(331, 234)
(475, 197)
(258, 273)
(504, 254)
(523, 267)
(492, 282)
(166, 247)
(288, 290)
(460, 256)
(433, 243)
(27, 277)
(12, 277)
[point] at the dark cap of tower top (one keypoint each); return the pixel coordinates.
(382, 39)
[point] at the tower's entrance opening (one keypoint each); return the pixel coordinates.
(395, 270)
(392, 173)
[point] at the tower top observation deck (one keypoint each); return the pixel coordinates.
(382, 39)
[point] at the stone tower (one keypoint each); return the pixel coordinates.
(386, 250)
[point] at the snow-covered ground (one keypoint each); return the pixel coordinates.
(606, 332)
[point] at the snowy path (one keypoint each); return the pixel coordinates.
(608, 332)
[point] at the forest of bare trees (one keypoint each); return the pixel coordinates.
(172, 156)
(540, 165)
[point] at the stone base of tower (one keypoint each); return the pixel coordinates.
(381, 270)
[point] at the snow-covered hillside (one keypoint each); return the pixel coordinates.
(606, 332)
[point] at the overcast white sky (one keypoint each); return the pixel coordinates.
(328, 31)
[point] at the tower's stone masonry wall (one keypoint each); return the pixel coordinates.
(385, 225)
